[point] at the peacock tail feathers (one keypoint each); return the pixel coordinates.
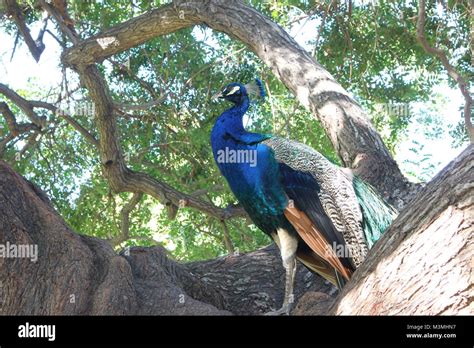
(353, 206)
(377, 215)
(295, 189)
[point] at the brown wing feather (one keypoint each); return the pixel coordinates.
(316, 264)
(315, 240)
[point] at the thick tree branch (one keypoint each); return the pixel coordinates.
(131, 33)
(36, 47)
(354, 138)
(24, 105)
(423, 263)
(140, 281)
(119, 176)
(452, 72)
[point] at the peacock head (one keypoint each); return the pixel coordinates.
(236, 92)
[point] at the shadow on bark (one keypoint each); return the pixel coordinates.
(422, 265)
(76, 274)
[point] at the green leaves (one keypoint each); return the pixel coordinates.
(370, 48)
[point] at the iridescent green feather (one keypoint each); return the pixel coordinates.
(377, 215)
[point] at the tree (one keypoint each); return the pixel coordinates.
(438, 243)
(123, 160)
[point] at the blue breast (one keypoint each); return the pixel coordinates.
(250, 169)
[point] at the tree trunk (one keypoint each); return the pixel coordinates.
(76, 274)
(422, 265)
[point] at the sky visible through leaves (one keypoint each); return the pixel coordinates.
(418, 118)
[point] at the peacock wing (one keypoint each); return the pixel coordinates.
(335, 193)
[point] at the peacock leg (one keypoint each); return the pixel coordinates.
(288, 245)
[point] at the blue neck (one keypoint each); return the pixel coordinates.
(233, 116)
(248, 179)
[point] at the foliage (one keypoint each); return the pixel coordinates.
(370, 49)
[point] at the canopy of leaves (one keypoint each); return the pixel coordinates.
(369, 46)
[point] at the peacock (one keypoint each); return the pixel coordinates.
(315, 211)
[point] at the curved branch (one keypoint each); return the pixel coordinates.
(125, 219)
(119, 176)
(15, 128)
(462, 84)
(24, 105)
(354, 138)
(27, 106)
(36, 47)
(134, 32)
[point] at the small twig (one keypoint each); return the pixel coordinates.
(61, 43)
(462, 84)
(138, 107)
(68, 30)
(320, 29)
(272, 106)
(124, 69)
(211, 64)
(17, 38)
(227, 240)
(310, 13)
(125, 219)
(84, 132)
(40, 36)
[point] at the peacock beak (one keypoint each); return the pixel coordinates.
(218, 95)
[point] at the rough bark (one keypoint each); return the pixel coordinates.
(36, 47)
(354, 138)
(425, 259)
(76, 274)
(253, 283)
(424, 262)
(422, 265)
